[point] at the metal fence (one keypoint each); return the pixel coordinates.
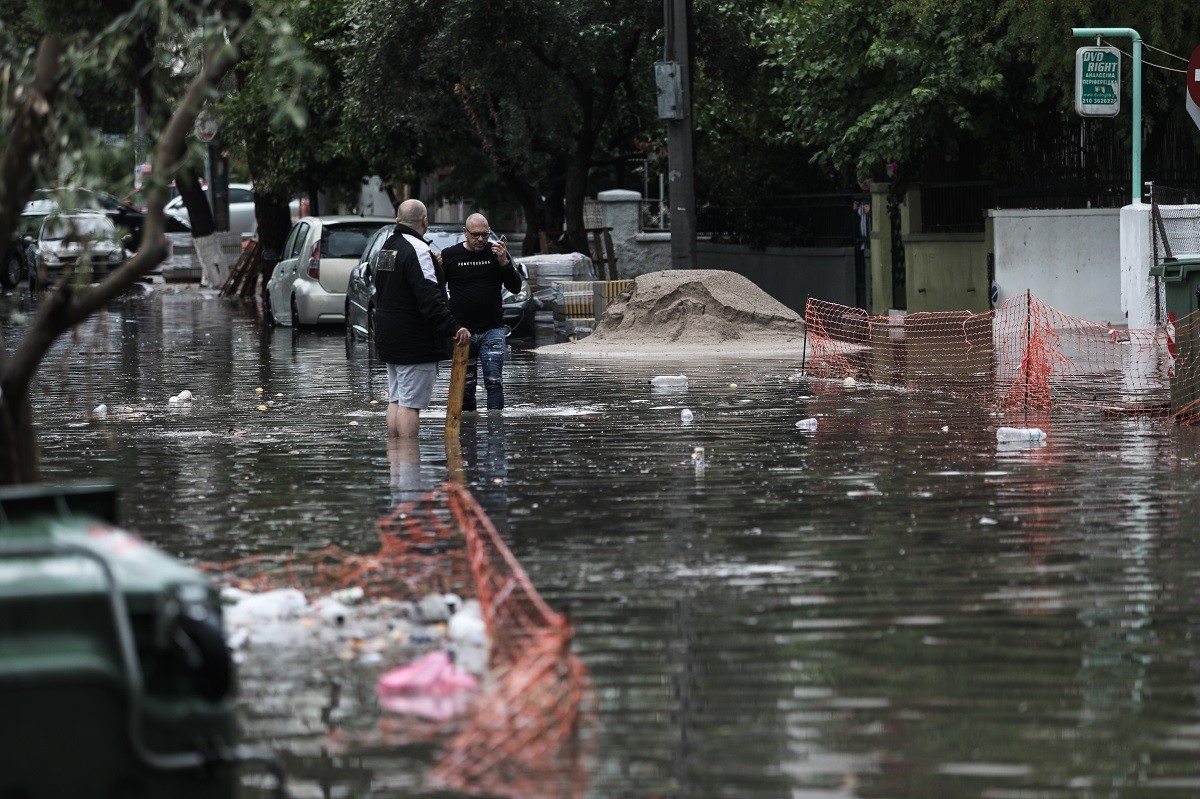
(812, 220)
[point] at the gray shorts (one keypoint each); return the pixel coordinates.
(411, 384)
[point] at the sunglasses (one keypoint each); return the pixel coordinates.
(481, 235)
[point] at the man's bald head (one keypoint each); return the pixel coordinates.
(413, 214)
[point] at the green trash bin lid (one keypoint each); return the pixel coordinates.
(1177, 269)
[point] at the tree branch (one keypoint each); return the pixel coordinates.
(62, 309)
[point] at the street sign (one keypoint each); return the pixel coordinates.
(1098, 81)
(1192, 99)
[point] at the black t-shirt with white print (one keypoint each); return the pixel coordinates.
(474, 280)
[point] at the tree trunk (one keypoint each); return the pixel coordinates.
(574, 191)
(274, 223)
(199, 211)
(19, 461)
(529, 200)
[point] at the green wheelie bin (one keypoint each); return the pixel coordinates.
(114, 675)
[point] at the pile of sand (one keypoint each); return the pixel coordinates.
(692, 312)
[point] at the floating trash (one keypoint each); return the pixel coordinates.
(685, 416)
(1006, 434)
(807, 425)
(849, 382)
(669, 381)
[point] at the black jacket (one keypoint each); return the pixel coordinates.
(413, 323)
(475, 279)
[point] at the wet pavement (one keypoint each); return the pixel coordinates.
(891, 605)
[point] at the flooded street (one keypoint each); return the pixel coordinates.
(893, 605)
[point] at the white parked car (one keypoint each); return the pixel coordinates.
(241, 209)
(308, 285)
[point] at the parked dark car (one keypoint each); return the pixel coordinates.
(125, 218)
(519, 308)
(18, 262)
(85, 242)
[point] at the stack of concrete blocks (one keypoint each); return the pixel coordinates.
(207, 260)
(181, 264)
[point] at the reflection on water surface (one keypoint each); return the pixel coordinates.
(892, 605)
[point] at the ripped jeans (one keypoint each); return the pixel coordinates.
(488, 349)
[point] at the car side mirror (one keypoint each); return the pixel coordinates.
(522, 270)
(127, 241)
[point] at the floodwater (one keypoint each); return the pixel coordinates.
(893, 605)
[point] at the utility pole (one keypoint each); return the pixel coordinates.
(673, 77)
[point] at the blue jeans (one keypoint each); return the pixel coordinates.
(488, 349)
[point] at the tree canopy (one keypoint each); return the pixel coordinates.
(916, 82)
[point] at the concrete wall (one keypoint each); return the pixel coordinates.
(637, 253)
(1138, 290)
(789, 274)
(1070, 259)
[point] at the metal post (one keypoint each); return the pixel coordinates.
(1137, 95)
(679, 141)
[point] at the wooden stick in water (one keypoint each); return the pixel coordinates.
(454, 400)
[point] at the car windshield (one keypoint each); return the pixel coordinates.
(57, 228)
(346, 241)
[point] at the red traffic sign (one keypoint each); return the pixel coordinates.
(1193, 86)
(1193, 76)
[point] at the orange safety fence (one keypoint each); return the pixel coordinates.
(1023, 355)
(525, 734)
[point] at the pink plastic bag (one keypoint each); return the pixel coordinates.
(431, 687)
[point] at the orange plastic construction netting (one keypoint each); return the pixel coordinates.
(1023, 355)
(526, 733)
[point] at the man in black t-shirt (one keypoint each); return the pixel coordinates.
(475, 270)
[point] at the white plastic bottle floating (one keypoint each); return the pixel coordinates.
(685, 416)
(807, 425)
(669, 381)
(698, 460)
(1020, 434)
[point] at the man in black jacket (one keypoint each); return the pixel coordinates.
(412, 319)
(475, 271)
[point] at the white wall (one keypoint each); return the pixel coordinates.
(1070, 259)
(1137, 256)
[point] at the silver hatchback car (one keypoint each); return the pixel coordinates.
(308, 286)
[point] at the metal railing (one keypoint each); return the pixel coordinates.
(654, 216)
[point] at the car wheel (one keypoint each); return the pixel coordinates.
(11, 276)
(268, 311)
(371, 325)
(295, 316)
(350, 337)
